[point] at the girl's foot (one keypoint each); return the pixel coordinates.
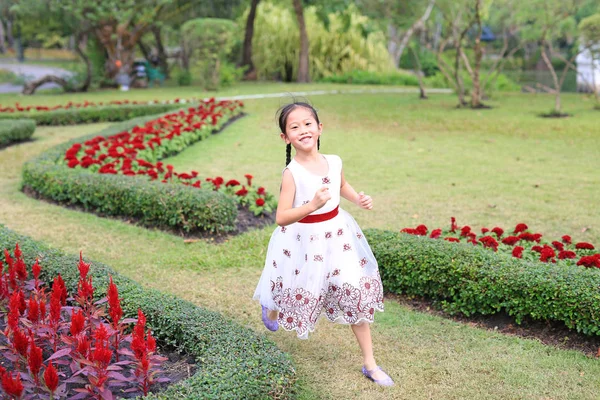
(378, 376)
(270, 324)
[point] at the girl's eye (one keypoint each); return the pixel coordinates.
(308, 123)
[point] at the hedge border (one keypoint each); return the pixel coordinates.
(152, 203)
(233, 361)
(471, 280)
(15, 131)
(88, 115)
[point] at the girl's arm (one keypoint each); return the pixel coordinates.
(286, 214)
(360, 199)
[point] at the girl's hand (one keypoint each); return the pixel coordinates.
(321, 197)
(365, 201)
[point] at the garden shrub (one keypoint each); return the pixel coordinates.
(87, 115)
(15, 131)
(471, 280)
(233, 362)
(374, 78)
(165, 205)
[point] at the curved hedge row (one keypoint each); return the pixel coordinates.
(153, 203)
(469, 279)
(15, 131)
(233, 361)
(89, 115)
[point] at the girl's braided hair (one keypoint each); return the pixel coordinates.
(282, 116)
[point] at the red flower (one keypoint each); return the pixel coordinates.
(77, 322)
(114, 304)
(261, 190)
(566, 239)
(484, 231)
(73, 163)
(520, 228)
(490, 242)
(453, 226)
(510, 240)
(33, 313)
(558, 245)
(12, 387)
(537, 249)
(218, 181)
(421, 230)
(51, 378)
(527, 237)
(465, 230)
(546, 254)
(435, 234)
(584, 246)
(517, 252)
(451, 239)
(36, 269)
(232, 182)
(590, 261)
(83, 267)
(566, 254)
(242, 192)
(498, 231)
(260, 202)
(35, 359)
(249, 179)
(20, 342)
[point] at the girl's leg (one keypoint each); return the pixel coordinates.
(363, 336)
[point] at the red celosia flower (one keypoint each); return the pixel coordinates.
(558, 245)
(42, 310)
(435, 234)
(490, 242)
(33, 310)
(498, 231)
(151, 342)
(83, 345)
(51, 378)
(584, 246)
(453, 226)
(451, 239)
(566, 254)
(527, 237)
(77, 322)
(547, 254)
(18, 252)
(218, 180)
(260, 202)
(566, 239)
(83, 267)
(20, 269)
(520, 228)
(422, 230)
(242, 192)
(102, 355)
(465, 230)
(101, 334)
(114, 304)
(537, 237)
(590, 261)
(537, 249)
(36, 269)
(261, 190)
(12, 386)
(61, 289)
(249, 179)
(73, 163)
(55, 308)
(35, 359)
(517, 252)
(232, 182)
(13, 311)
(484, 231)
(20, 342)
(510, 240)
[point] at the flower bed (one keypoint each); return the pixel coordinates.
(16, 131)
(233, 361)
(520, 243)
(86, 355)
(85, 113)
(470, 280)
(117, 172)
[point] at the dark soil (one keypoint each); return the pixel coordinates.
(551, 333)
(555, 115)
(6, 145)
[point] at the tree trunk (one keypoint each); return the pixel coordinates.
(32, 86)
(554, 77)
(9, 35)
(420, 22)
(144, 49)
(250, 73)
(476, 93)
(303, 72)
(2, 43)
(162, 53)
(88, 65)
(120, 51)
(422, 94)
(393, 40)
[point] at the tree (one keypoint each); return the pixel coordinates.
(590, 41)
(246, 62)
(303, 75)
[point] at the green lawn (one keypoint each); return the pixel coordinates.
(422, 162)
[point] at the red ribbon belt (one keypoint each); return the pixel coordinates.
(311, 219)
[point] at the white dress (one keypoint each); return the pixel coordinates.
(322, 267)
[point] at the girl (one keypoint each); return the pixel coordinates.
(318, 260)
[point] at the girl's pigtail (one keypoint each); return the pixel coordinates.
(318, 143)
(288, 154)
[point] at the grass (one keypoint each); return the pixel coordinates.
(422, 162)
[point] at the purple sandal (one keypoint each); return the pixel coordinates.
(387, 381)
(270, 324)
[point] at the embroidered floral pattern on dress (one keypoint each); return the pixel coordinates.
(318, 258)
(283, 229)
(363, 262)
(359, 235)
(328, 235)
(340, 232)
(299, 309)
(347, 247)
(274, 264)
(287, 253)
(326, 181)
(298, 237)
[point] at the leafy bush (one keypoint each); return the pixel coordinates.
(426, 57)
(234, 362)
(153, 203)
(502, 82)
(89, 115)
(471, 280)
(15, 131)
(229, 74)
(373, 78)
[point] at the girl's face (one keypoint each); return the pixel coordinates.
(302, 130)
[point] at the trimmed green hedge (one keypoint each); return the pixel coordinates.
(15, 131)
(470, 280)
(164, 205)
(88, 115)
(233, 361)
